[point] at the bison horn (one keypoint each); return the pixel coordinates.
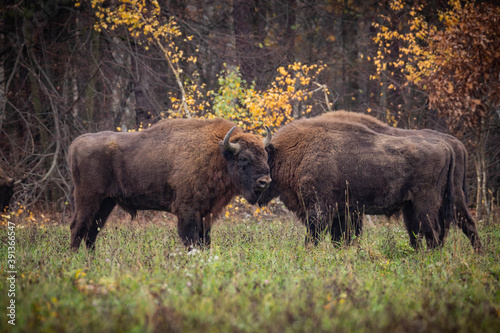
(267, 140)
(232, 147)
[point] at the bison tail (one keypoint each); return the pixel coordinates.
(448, 207)
(72, 198)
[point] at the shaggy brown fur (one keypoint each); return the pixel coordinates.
(180, 166)
(329, 172)
(462, 214)
(6, 190)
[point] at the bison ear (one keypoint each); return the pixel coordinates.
(270, 151)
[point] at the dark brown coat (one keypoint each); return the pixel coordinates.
(187, 167)
(6, 190)
(462, 214)
(328, 172)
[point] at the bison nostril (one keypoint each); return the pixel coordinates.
(263, 183)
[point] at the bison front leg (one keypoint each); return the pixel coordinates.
(316, 225)
(190, 228)
(342, 228)
(205, 238)
(312, 233)
(345, 225)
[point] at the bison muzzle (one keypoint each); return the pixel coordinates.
(189, 167)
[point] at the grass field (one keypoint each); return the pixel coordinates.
(257, 277)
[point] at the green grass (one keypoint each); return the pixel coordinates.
(257, 277)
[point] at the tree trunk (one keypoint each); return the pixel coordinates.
(482, 206)
(90, 91)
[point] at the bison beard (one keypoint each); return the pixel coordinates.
(330, 172)
(461, 215)
(187, 167)
(6, 190)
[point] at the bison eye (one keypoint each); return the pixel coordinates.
(243, 159)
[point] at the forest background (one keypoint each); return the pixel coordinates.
(72, 67)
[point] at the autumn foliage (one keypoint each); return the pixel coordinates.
(292, 87)
(465, 82)
(235, 99)
(456, 62)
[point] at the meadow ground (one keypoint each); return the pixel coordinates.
(257, 277)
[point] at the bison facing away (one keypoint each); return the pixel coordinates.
(328, 172)
(189, 167)
(6, 189)
(462, 215)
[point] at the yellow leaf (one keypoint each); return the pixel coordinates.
(80, 273)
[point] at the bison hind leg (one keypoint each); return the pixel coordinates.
(422, 223)
(433, 232)
(80, 224)
(354, 223)
(204, 232)
(89, 215)
(78, 232)
(313, 233)
(99, 221)
(89, 232)
(444, 226)
(413, 226)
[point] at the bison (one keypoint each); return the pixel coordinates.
(328, 172)
(462, 215)
(6, 190)
(189, 167)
